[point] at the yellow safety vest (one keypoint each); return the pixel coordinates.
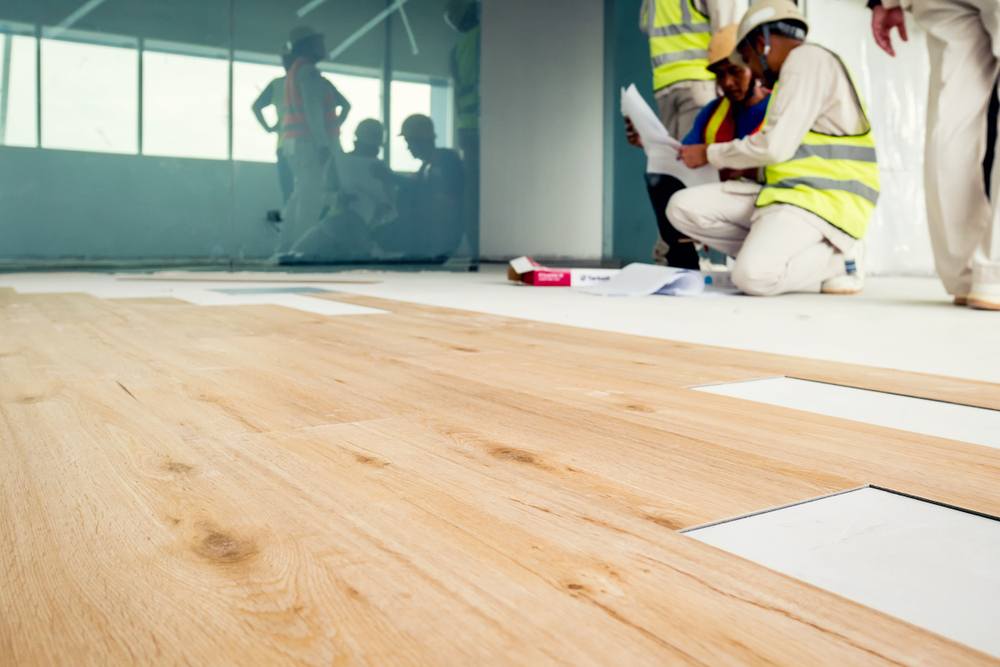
(678, 42)
(835, 177)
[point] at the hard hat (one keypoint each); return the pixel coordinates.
(300, 33)
(418, 126)
(761, 13)
(370, 132)
(455, 11)
(722, 44)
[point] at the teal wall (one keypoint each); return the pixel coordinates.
(632, 222)
(68, 204)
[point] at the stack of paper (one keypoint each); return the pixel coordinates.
(661, 148)
(646, 279)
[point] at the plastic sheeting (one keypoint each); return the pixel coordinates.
(895, 90)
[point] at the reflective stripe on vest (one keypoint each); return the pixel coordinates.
(465, 69)
(296, 124)
(834, 177)
(721, 126)
(678, 42)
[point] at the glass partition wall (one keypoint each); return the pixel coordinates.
(239, 133)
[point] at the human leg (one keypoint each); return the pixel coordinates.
(304, 206)
(286, 179)
(784, 252)
(679, 107)
(717, 214)
(963, 71)
(661, 188)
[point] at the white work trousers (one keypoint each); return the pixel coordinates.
(963, 39)
(778, 249)
(680, 104)
(302, 210)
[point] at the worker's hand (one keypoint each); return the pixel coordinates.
(883, 21)
(632, 134)
(324, 155)
(694, 156)
(736, 174)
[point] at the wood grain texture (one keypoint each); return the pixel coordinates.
(258, 485)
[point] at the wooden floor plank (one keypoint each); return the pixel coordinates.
(257, 485)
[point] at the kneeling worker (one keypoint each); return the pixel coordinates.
(805, 223)
(738, 113)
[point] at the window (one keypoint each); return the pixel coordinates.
(250, 141)
(90, 95)
(407, 99)
(365, 95)
(185, 103)
(18, 111)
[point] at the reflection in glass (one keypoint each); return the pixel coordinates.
(90, 94)
(185, 104)
(18, 112)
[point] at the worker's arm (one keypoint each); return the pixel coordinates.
(644, 17)
(262, 102)
(886, 15)
(312, 85)
(794, 109)
(721, 13)
(341, 102)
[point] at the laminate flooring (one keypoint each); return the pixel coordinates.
(251, 485)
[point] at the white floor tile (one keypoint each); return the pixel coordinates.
(944, 420)
(933, 566)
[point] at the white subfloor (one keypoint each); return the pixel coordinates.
(932, 566)
(896, 323)
(906, 413)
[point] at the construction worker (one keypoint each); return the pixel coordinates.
(804, 224)
(463, 16)
(431, 223)
(737, 113)
(274, 95)
(314, 112)
(963, 40)
(679, 32)
(363, 202)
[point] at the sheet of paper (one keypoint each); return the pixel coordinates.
(645, 279)
(661, 148)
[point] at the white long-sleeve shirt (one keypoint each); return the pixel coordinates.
(815, 93)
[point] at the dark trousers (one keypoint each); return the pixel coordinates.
(661, 188)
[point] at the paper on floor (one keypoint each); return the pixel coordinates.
(661, 149)
(645, 279)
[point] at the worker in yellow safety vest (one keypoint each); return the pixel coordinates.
(464, 16)
(963, 42)
(802, 225)
(679, 32)
(314, 112)
(737, 113)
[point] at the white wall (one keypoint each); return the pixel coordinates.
(542, 128)
(895, 90)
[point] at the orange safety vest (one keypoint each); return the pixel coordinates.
(721, 126)
(296, 125)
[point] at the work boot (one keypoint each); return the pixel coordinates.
(853, 280)
(984, 297)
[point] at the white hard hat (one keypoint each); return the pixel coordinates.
(763, 12)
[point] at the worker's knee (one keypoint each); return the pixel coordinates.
(682, 212)
(756, 277)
